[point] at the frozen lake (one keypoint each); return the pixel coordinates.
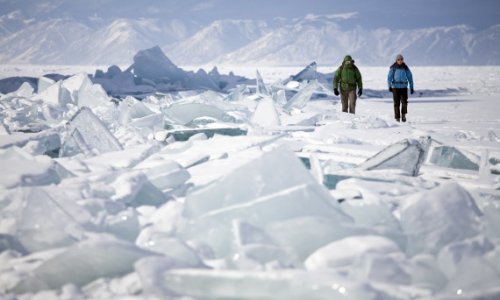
(205, 195)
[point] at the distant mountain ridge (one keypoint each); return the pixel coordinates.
(240, 42)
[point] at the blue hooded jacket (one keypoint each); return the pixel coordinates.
(399, 77)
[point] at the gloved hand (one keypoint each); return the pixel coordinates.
(412, 91)
(360, 92)
(390, 89)
(336, 92)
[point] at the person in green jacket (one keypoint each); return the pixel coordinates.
(348, 77)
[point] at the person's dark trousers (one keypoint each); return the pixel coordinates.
(400, 97)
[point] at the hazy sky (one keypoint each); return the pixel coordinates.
(393, 14)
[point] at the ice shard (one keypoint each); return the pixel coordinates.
(346, 251)
(308, 73)
(56, 95)
(407, 155)
(44, 83)
(21, 169)
(134, 189)
(237, 93)
(214, 228)
(47, 222)
(304, 235)
(88, 135)
(281, 284)
(260, 85)
(272, 172)
(83, 263)
(438, 217)
(452, 157)
(300, 99)
(183, 113)
(265, 114)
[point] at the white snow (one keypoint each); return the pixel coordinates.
(264, 191)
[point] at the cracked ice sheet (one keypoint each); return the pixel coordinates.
(190, 153)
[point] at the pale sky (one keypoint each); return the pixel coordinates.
(393, 14)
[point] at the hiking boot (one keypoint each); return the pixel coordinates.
(397, 120)
(403, 118)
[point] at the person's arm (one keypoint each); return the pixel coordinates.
(410, 78)
(390, 78)
(336, 79)
(359, 80)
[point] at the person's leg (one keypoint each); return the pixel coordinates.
(352, 102)
(344, 98)
(404, 104)
(396, 100)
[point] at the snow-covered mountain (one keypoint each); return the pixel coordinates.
(240, 42)
(217, 39)
(67, 41)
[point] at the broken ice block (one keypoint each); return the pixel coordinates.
(88, 135)
(300, 99)
(298, 201)
(186, 112)
(451, 157)
(47, 223)
(407, 155)
(265, 114)
(25, 91)
(181, 254)
(281, 284)
(346, 251)
(21, 169)
(92, 95)
(124, 225)
(270, 173)
(55, 95)
(260, 86)
(438, 217)
(44, 83)
(83, 263)
(134, 189)
(304, 235)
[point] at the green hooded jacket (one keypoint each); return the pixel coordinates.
(348, 76)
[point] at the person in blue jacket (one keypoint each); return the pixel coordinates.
(398, 79)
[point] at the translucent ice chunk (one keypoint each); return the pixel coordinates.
(92, 95)
(451, 255)
(451, 157)
(237, 93)
(265, 114)
(134, 189)
(48, 223)
(44, 83)
(83, 263)
(260, 86)
(346, 251)
(303, 200)
(181, 254)
(186, 112)
(304, 235)
(124, 225)
(21, 169)
(164, 174)
(88, 135)
(25, 91)
(435, 218)
(302, 97)
(55, 95)
(286, 284)
(308, 73)
(408, 155)
(272, 172)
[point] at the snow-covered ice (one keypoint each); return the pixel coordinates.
(253, 189)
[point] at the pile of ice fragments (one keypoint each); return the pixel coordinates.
(220, 196)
